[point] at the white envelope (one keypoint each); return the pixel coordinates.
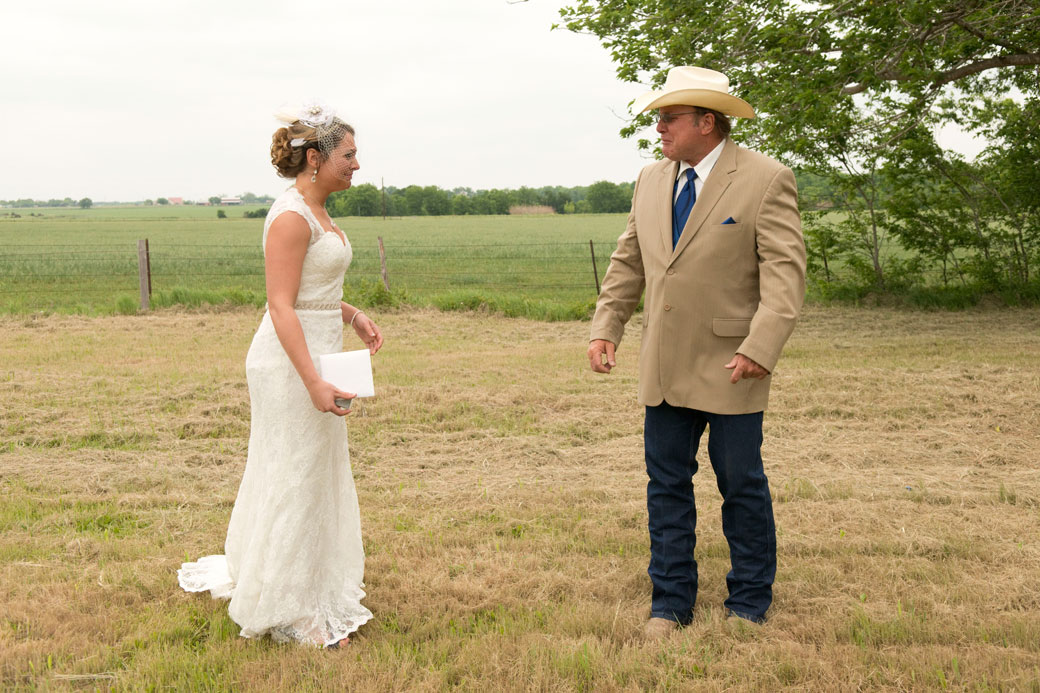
(350, 371)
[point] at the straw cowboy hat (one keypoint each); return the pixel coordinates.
(695, 86)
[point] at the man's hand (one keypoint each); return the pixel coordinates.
(742, 367)
(597, 349)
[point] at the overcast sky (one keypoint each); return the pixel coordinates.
(132, 99)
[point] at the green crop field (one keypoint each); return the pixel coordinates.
(85, 261)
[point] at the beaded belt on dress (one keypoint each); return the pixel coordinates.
(314, 305)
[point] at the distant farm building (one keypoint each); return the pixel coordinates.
(531, 209)
(231, 200)
(176, 200)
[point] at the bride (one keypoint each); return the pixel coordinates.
(293, 560)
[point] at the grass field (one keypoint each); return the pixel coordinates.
(85, 261)
(502, 498)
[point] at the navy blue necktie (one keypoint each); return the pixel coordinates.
(683, 205)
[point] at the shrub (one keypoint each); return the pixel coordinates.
(126, 305)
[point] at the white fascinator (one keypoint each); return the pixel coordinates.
(313, 114)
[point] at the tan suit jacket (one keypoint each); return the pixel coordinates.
(724, 289)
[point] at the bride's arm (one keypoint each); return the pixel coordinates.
(363, 326)
(286, 247)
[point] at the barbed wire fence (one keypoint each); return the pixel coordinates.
(96, 273)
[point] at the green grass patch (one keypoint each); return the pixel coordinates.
(100, 518)
(101, 440)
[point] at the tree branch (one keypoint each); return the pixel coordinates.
(987, 64)
(956, 73)
(959, 21)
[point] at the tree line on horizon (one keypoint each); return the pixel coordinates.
(602, 197)
(83, 203)
(86, 202)
(366, 200)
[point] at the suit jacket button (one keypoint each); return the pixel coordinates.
(671, 270)
(667, 307)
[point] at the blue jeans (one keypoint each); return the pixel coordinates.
(671, 436)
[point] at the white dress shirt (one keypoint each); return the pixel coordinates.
(703, 169)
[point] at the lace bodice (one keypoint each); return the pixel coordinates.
(327, 259)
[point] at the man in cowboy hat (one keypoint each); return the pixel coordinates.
(714, 237)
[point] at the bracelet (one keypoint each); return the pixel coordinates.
(354, 318)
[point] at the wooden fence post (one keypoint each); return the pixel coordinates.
(144, 273)
(595, 273)
(382, 264)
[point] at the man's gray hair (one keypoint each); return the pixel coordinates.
(722, 123)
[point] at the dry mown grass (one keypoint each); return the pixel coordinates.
(501, 489)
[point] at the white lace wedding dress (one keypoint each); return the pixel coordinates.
(293, 560)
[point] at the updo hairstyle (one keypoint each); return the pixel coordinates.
(290, 161)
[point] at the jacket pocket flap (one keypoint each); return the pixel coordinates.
(731, 327)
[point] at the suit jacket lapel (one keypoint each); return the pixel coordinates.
(718, 181)
(665, 203)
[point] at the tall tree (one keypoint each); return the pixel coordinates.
(605, 197)
(841, 86)
(820, 70)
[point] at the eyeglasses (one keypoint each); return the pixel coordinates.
(667, 118)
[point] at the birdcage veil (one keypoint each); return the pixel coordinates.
(313, 122)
